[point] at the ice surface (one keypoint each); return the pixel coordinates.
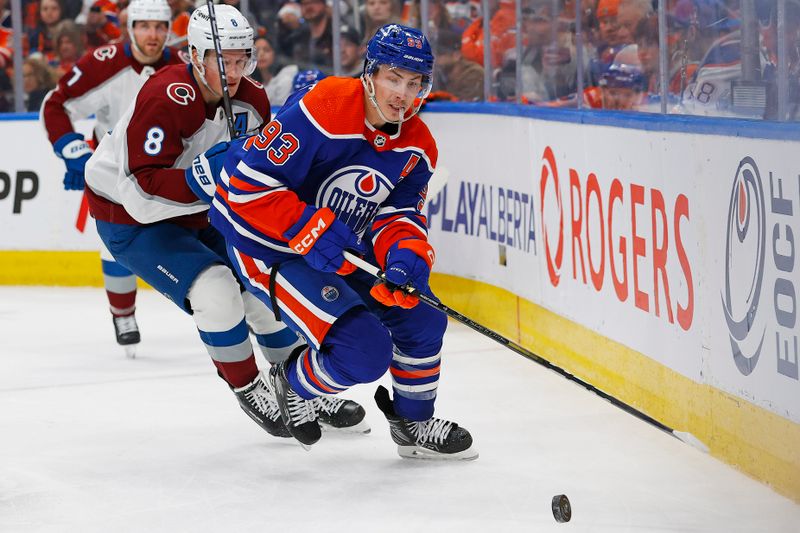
(92, 441)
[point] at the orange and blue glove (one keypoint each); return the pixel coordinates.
(408, 263)
(322, 239)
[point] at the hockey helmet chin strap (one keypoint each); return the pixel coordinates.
(201, 69)
(369, 87)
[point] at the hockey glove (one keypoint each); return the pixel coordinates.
(75, 152)
(408, 262)
(203, 174)
(322, 239)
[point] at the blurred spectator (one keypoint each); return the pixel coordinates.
(460, 77)
(502, 29)
(630, 13)
(40, 38)
(102, 25)
(549, 58)
(287, 29)
(37, 79)
(377, 13)
(5, 14)
(462, 13)
(181, 11)
(69, 46)
(276, 79)
(6, 92)
(607, 24)
(312, 43)
(6, 46)
(123, 26)
(351, 52)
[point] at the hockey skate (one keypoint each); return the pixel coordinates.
(257, 399)
(431, 439)
(339, 414)
(297, 413)
(127, 331)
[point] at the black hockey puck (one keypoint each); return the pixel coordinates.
(562, 510)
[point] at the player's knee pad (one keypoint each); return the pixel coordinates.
(359, 346)
(215, 299)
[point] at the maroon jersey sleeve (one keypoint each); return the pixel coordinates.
(81, 89)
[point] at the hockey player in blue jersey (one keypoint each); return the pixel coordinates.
(345, 165)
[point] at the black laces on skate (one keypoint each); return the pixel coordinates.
(433, 430)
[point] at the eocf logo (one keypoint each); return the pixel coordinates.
(759, 295)
(552, 216)
(745, 250)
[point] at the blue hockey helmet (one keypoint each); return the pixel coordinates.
(400, 47)
(306, 77)
(625, 72)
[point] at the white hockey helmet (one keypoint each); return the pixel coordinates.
(233, 29)
(147, 10)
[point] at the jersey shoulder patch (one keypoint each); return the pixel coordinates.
(172, 91)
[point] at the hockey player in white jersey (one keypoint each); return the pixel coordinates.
(104, 83)
(149, 186)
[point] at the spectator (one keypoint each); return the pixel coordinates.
(102, 25)
(502, 29)
(608, 29)
(181, 11)
(287, 29)
(37, 79)
(69, 46)
(313, 42)
(377, 13)
(629, 14)
(276, 79)
(5, 15)
(351, 52)
(549, 59)
(460, 77)
(123, 26)
(40, 38)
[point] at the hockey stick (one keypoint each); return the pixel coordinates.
(226, 97)
(376, 272)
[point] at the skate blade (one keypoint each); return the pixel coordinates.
(130, 351)
(362, 428)
(415, 452)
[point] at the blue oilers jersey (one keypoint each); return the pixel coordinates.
(320, 151)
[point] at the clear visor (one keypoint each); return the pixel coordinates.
(234, 63)
(396, 81)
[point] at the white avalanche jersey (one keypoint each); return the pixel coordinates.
(137, 174)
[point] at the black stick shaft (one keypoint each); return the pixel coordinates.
(226, 97)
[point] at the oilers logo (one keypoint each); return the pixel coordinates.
(745, 249)
(354, 194)
(329, 293)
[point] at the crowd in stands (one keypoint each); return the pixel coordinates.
(614, 51)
